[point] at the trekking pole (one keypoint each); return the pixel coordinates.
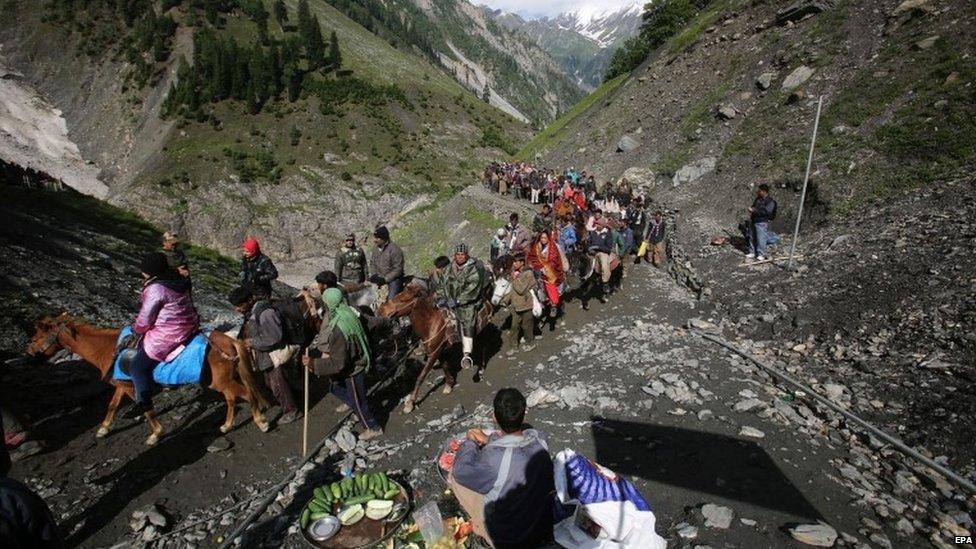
(806, 179)
(305, 416)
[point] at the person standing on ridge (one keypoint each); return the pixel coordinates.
(350, 262)
(257, 270)
(386, 263)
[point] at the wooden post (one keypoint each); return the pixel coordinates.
(806, 179)
(305, 417)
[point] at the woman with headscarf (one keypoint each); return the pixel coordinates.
(167, 319)
(548, 260)
(345, 357)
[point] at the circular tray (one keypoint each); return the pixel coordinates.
(365, 533)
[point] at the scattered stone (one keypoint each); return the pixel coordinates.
(765, 80)
(747, 404)
(751, 432)
(345, 439)
(221, 444)
(926, 43)
(796, 78)
(687, 531)
(835, 391)
(747, 522)
(156, 517)
(717, 516)
(818, 535)
(541, 397)
(913, 8)
(727, 112)
(627, 143)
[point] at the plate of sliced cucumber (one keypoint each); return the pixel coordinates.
(367, 507)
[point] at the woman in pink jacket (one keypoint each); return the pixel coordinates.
(167, 319)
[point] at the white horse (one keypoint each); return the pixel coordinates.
(502, 287)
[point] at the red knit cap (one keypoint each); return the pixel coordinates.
(251, 246)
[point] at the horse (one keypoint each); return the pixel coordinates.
(227, 362)
(432, 326)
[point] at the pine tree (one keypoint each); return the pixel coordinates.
(281, 13)
(315, 45)
(335, 56)
(304, 19)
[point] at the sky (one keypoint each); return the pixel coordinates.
(546, 8)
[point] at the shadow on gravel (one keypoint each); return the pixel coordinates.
(144, 470)
(706, 463)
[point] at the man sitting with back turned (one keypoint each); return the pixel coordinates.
(504, 481)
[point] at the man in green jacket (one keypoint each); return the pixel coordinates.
(463, 285)
(350, 262)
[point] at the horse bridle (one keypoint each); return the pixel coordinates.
(53, 337)
(406, 306)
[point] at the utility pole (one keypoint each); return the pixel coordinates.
(806, 179)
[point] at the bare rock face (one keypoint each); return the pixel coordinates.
(796, 78)
(694, 171)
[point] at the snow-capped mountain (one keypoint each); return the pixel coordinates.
(581, 41)
(605, 26)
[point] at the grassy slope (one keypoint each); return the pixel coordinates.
(553, 133)
(439, 130)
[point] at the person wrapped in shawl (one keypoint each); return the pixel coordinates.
(345, 357)
(547, 259)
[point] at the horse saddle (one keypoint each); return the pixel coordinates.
(183, 366)
(481, 319)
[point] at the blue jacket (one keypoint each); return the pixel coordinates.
(515, 475)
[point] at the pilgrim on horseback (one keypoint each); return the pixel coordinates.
(464, 287)
(275, 332)
(167, 320)
(344, 354)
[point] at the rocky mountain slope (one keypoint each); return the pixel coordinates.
(582, 40)
(349, 151)
(510, 71)
(881, 302)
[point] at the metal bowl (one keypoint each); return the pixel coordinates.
(324, 528)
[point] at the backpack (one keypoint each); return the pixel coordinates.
(293, 328)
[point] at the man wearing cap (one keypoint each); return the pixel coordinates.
(174, 254)
(386, 263)
(257, 270)
(264, 333)
(463, 283)
(350, 262)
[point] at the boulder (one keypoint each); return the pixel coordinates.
(801, 9)
(627, 143)
(765, 80)
(694, 171)
(796, 78)
(913, 8)
(640, 178)
(751, 432)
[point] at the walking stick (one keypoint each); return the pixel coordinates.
(305, 417)
(806, 179)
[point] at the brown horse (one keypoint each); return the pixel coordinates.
(432, 327)
(227, 359)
